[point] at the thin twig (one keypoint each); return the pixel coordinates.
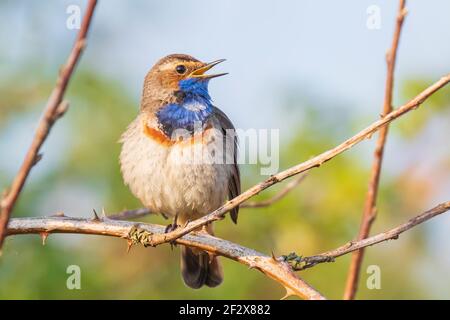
(277, 197)
(370, 209)
(55, 108)
(317, 161)
(130, 214)
(271, 267)
(142, 212)
(329, 256)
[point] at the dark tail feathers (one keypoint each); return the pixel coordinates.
(197, 269)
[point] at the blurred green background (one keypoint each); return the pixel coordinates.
(316, 92)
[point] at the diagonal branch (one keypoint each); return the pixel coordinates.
(391, 234)
(55, 108)
(271, 267)
(317, 161)
(370, 210)
(142, 212)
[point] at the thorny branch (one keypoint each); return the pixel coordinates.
(142, 233)
(276, 268)
(55, 108)
(370, 210)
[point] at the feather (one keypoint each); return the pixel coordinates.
(234, 182)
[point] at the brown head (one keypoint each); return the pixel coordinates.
(162, 83)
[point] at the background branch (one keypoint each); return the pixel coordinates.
(141, 212)
(54, 110)
(370, 209)
(141, 233)
(277, 197)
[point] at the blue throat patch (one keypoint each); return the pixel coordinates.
(193, 110)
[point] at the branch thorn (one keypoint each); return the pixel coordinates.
(44, 236)
(288, 294)
(104, 216)
(129, 245)
(37, 158)
(274, 258)
(96, 218)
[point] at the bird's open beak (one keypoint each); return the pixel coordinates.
(200, 72)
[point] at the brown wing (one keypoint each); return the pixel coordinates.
(234, 183)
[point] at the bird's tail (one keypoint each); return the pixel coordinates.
(198, 269)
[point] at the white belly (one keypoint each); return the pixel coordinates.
(183, 179)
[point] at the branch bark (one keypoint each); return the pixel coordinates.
(370, 210)
(55, 108)
(140, 232)
(317, 161)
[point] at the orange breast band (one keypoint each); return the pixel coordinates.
(159, 137)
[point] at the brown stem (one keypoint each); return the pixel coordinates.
(54, 110)
(370, 209)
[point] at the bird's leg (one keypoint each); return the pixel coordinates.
(172, 226)
(175, 222)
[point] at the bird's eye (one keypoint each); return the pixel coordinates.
(180, 69)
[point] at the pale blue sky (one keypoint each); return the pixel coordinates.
(321, 50)
(313, 46)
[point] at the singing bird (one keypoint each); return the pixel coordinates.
(179, 155)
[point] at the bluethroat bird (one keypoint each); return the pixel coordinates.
(179, 155)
